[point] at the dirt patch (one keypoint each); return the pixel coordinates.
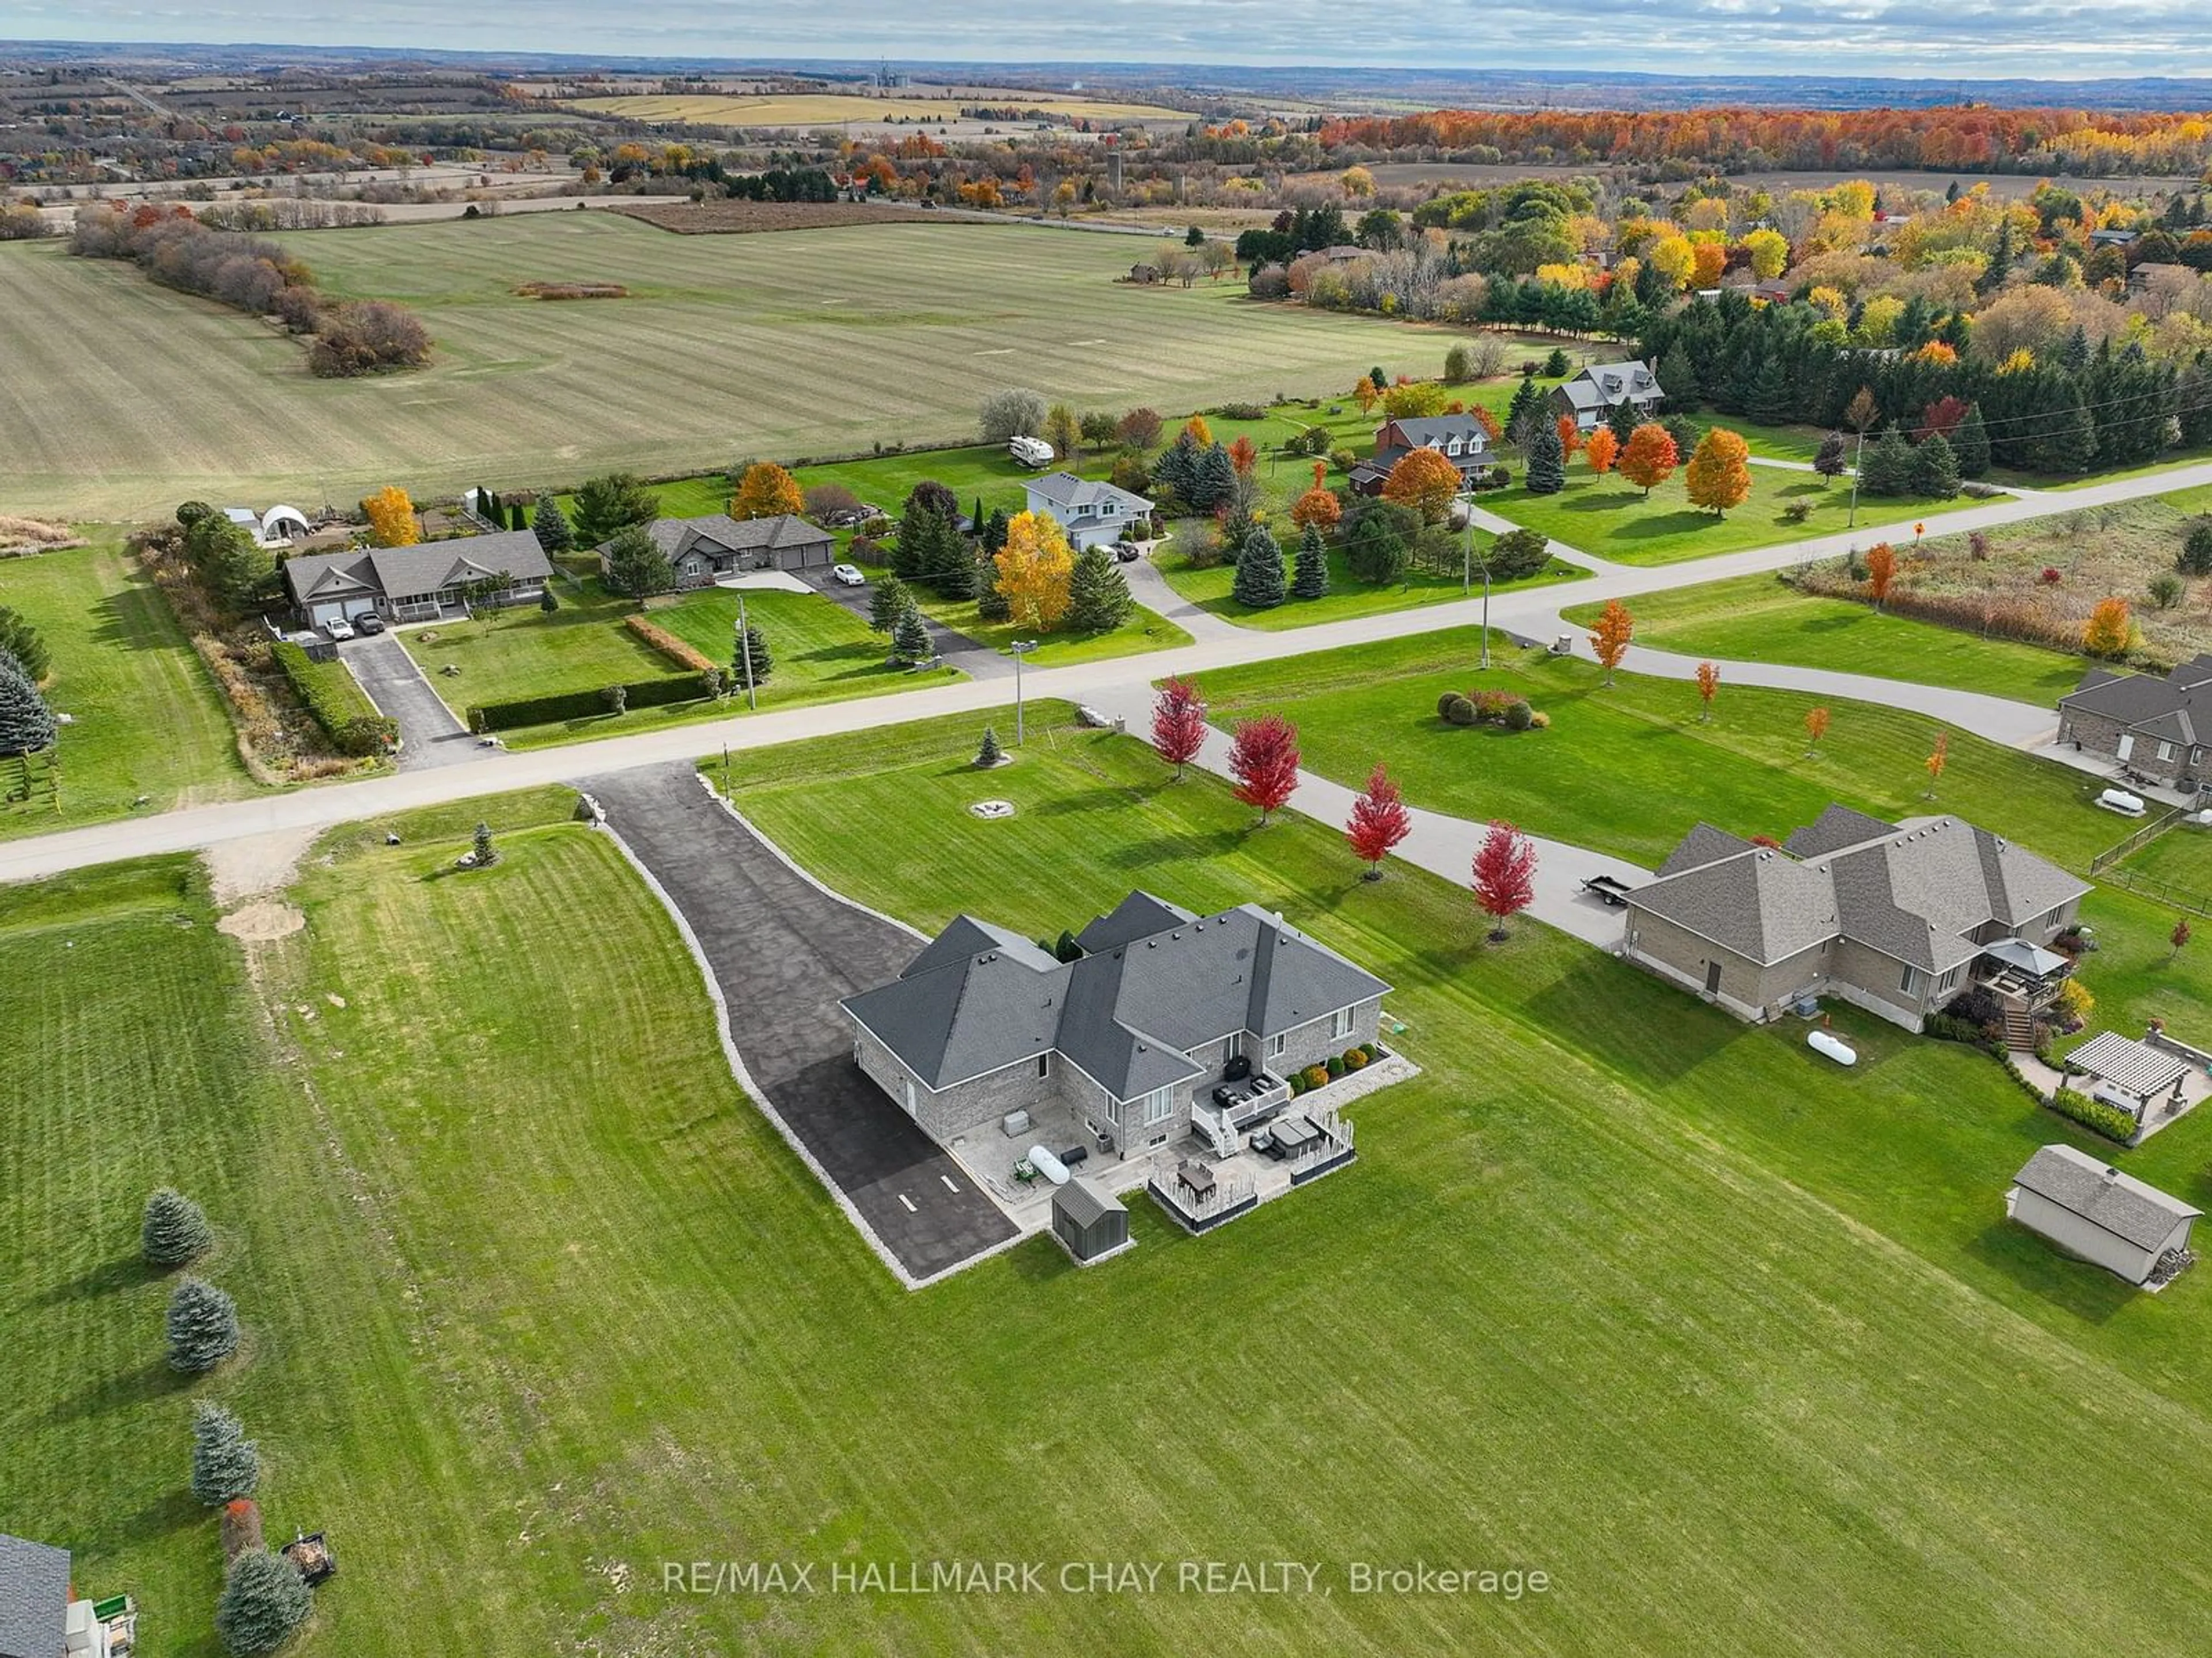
(262, 922)
(35, 535)
(572, 290)
(744, 218)
(256, 864)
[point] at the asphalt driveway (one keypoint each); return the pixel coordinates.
(429, 733)
(784, 953)
(955, 650)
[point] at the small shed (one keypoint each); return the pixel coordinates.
(1089, 1221)
(2091, 1210)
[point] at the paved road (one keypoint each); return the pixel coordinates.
(1531, 613)
(430, 733)
(783, 952)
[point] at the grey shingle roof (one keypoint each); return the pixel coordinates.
(1602, 385)
(1834, 830)
(1703, 844)
(34, 1583)
(405, 572)
(1067, 492)
(1759, 903)
(2175, 706)
(1434, 431)
(1126, 1014)
(676, 536)
(1136, 916)
(1084, 1201)
(2118, 1204)
(329, 575)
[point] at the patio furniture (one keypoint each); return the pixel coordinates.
(1075, 1155)
(1198, 1176)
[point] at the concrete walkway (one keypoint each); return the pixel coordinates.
(430, 733)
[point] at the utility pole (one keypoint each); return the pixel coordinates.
(1020, 647)
(1858, 463)
(1466, 580)
(745, 657)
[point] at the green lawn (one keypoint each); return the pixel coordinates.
(1774, 442)
(1629, 769)
(1758, 618)
(1736, 1348)
(1209, 589)
(146, 719)
(820, 652)
(1609, 517)
(1144, 630)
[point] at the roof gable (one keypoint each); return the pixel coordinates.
(2117, 1203)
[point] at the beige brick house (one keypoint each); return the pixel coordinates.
(1895, 918)
(1162, 1004)
(2160, 727)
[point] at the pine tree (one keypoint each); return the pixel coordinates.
(226, 1463)
(1259, 579)
(263, 1601)
(1935, 467)
(481, 849)
(1774, 401)
(990, 753)
(991, 605)
(1098, 598)
(1216, 481)
(555, 533)
(174, 1229)
(202, 1326)
(26, 724)
(1678, 378)
(1310, 576)
(1887, 468)
(888, 602)
(910, 639)
(1525, 413)
(749, 652)
(1622, 420)
(2066, 445)
(1547, 469)
(1829, 463)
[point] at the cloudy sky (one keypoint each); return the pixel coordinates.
(1918, 39)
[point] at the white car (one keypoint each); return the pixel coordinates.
(340, 628)
(847, 576)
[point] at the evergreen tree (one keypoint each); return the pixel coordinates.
(1216, 481)
(1887, 468)
(2074, 354)
(21, 640)
(990, 753)
(263, 1601)
(1376, 537)
(634, 566)
(1935, 467)
(26, 724)
(1687, 434)
(1773, 400)
(481, 849)
(1677, 379)
(202, 1326)
(888, 602)
(612, 503)
(748, 650)
(994, 531)
(1098, 598)
(1259, 579)
(1548, 462)
(1177, 466)
(226, 1463)
(1556, 366)
(991, 605)
(174, 1229)
(1524, 412)
(1622, 420)
(1310, 577)
(551, 525)
(2066, 444)
(1970, 442)
(1829, 463)
(910, 639)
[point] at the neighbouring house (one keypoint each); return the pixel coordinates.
(430, 581)
(39, 1619)
(2154, 273)
(1143, 275)
(280, 526)
(1090, 511)
(2158, 727)
(2113, 238)
(1591, 396)
(1894, 918)
(1162, 1008)
(1460, 439)
(2091, 1210)
(1773, 291)
(701, 550)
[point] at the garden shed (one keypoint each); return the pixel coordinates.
(1089, 1221)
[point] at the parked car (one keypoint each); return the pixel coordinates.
(340, 628)
(1126, 552)
(368, 623)
(847, 576)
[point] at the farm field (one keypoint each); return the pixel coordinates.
(1718, 1361)
(831, 109)
(1609, 517)
(818, 651)
(787, 345)
(1629, 770)
(1758, 618)
(147, 719)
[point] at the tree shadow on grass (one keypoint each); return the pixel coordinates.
(1658, 525)
(134, 618)
(171, 1511)
(124, 1273)
(1192, 847)
(150, 1381)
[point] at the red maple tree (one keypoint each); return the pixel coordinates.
(1178, 724)
(1243, 456)
(1263, 758)
(1504, 874)
(1379, 821)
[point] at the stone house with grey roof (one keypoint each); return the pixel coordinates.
(1891, 917)
(429, 581)
(2093, 1211)
(2160, 727)
(1591, 396)
(1159, 1006)
(700, 550)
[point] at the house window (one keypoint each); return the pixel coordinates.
(1044, 1065)
(1340, 1024)
(1159, 1105)
(1946, 982)
(1233, 1046)
(1276, 1044)
(909, 1097)
(1911, 981)
(2165, 750)
(1114, 1112)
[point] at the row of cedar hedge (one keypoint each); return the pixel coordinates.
(2095, 1115)
(584, 705)
(682, 652)
(328, 691)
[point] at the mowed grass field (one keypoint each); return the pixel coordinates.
(1739, 1352)
(146, 719)
(829, 109)
(801, 344)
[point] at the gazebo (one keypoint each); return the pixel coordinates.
(2128, 1073)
